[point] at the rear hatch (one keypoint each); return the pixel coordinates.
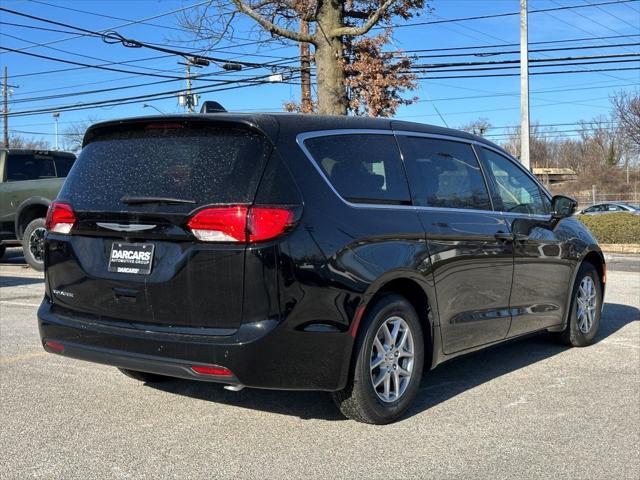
(131, 254)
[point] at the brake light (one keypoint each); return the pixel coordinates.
(220, 224)
(267, 223)
(215, 370)
(60, 218)
(240, 224)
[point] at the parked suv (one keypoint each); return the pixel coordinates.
(302, 252)
(29, 181)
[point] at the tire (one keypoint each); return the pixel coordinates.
(3, 250)
(360, 400)
(581, 327)
(33, 244)
(145, 376)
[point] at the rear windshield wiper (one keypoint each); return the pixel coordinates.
(162, 200)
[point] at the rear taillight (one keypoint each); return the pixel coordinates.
(220, 224)
(60, 218)
(240, 224)
(265, 223)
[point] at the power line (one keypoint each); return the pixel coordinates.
(76, 54)
(556, 72)
(534, 60)
(566, 40)
(112, 36)
(510, 14)
(129, 23)
(99, 67)
(535, 50)
(258, 80)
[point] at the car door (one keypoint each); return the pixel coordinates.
(542, 267)
(469, 243)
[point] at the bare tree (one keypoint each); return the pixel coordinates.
(74, 133)
(16, 141)
(477, 127)
(601, 142)
(627, 111)
(333, 23)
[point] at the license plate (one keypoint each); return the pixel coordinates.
(131, 258)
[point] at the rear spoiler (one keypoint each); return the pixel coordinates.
(263, 124)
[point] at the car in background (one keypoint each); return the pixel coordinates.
(610, 207)
(29, 181)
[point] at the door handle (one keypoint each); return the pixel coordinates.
(504, 236)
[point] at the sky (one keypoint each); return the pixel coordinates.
(559, 100)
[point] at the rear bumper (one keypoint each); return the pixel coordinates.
(262, 355)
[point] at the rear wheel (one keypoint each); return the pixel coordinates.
(145, 376)
(33, 244)
(387, 367)
(586, 307)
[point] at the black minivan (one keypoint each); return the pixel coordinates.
(307, 252)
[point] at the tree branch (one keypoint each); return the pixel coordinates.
(270, 26)
(369, 24)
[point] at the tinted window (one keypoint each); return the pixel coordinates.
(63, 165)
(202, 164)
(515, 190)
(29, 167)
(362, 168)
(444, 173)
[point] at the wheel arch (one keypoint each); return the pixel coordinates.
(417, 294)
(595, 257)
(29, 210)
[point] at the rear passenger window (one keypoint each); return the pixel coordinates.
(444, 174)
(362, 168)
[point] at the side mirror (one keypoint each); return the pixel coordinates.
(562, 207)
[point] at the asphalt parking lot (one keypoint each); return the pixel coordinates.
(529, 409)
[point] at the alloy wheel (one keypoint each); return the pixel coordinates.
(36, 244)
(392, 359)
(586, 302)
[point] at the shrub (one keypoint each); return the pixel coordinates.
(613, 227)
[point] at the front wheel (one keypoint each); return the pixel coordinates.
(387, 364)
(586, 307)
(33, 244)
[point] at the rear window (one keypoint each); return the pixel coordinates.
(362, 168)
(203, 164)
(34, 166)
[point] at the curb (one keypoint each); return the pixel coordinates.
(620, 247)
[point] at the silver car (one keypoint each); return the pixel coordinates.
(610, 207)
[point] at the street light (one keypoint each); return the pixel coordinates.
(146, 105)
(56, 115)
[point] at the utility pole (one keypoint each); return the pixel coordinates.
(5, 111)
(524, 86)
(189, 99)
(306, 105)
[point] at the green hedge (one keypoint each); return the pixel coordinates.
(613, 227)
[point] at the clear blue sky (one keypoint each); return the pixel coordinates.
(555, 99)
